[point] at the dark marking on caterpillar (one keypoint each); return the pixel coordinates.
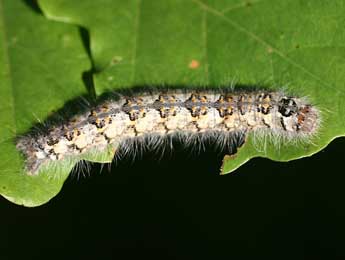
(217, 114)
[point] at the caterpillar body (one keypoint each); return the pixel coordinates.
(218, 114)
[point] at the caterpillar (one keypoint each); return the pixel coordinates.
(217, 114)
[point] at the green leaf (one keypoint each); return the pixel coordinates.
(293, 44)
(298, 45)
(41, 69)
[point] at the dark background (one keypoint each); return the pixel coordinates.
(179, 208)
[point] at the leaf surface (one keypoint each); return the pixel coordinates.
(292, 44)
(41, 66)
(295, 45)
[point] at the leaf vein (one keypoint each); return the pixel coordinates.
(259, 40)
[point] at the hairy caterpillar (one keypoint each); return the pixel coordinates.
(216, 114)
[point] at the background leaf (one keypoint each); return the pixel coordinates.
(293, 44)
(290, 43)
(41, 66)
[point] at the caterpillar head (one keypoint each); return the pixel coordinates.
(298, 116)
